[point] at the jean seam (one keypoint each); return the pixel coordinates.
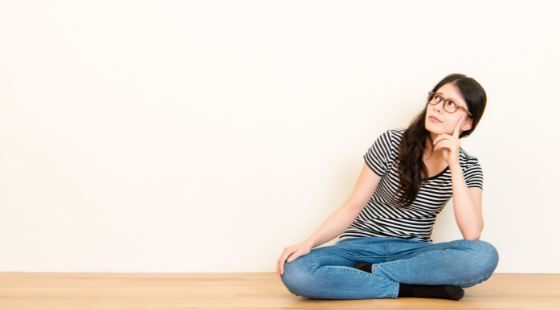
(436, 248)
(396, 290)
(409, 259)
(349, 255)
(387, 250)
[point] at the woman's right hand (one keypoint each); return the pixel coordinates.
(292, 253)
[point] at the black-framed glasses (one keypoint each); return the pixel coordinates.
(450, 105)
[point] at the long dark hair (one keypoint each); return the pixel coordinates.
(413, 173)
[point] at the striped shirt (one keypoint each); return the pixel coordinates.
(381, 218)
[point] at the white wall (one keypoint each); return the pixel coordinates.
(206, 136)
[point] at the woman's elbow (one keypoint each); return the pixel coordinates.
(474, 234)
(472, 238)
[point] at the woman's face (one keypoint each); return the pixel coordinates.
(447, 121)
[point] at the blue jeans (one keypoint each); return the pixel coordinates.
(328, 273)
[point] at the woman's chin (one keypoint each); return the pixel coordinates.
(430, 127)
(433, 128)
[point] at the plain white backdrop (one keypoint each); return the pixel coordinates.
(206, 136)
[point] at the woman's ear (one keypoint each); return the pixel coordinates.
(468, 124)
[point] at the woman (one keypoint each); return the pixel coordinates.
(409, 175)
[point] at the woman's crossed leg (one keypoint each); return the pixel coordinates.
(328, 273)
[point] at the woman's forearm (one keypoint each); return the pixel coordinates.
(467, 213)
(334, 225)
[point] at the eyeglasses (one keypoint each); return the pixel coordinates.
(449, 105)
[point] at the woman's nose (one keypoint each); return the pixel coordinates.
(438, 107)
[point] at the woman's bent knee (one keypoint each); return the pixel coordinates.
(296, 274)
(486, 255)
(481, 262)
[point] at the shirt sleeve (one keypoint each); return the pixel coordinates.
(377, 156)
(473, 174)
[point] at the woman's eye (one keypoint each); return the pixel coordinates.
(451, 104)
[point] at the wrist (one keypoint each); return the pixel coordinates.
(311, 243)
(455, 167)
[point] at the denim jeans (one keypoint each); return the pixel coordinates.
(327, 272)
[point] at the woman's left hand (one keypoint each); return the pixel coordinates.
(450, 145)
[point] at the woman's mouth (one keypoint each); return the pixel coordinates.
(434, 119)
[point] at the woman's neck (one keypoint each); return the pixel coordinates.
(437, 155)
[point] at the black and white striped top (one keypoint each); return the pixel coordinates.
(380, 218)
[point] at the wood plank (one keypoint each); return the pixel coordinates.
(255, 291)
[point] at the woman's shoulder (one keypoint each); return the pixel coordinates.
(390, 138)
(394, 134)
(466, 159)
(397, 131)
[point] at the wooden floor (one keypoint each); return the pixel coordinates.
(208, 291)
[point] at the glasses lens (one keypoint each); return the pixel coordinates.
(435, 98)
(450, 106)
